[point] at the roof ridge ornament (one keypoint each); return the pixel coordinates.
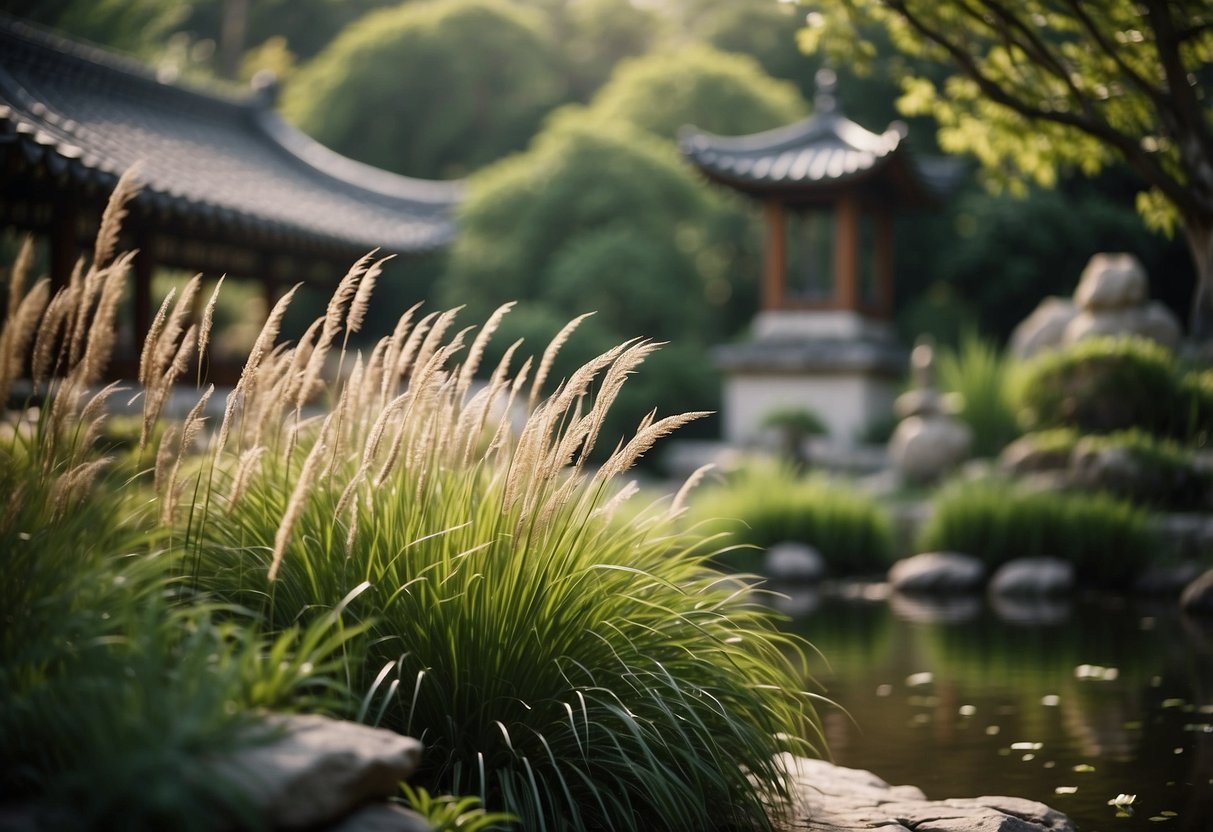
(825, 101)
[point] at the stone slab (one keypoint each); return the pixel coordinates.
(832, 798)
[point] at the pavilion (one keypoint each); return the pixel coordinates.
(823, 339)
(227, 186)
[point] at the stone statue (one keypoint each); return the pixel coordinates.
(929, 440)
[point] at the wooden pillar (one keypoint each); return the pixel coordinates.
(144, 267)
(884, 262)
(846, 252)
(64, 246)
(775, 266)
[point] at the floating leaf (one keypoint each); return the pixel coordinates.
(1051, 700)
(1027, 746)
(992, 730)
(1084, 767)
(1172, 703)
(915, 680)
(1065, 790)
(967, 710)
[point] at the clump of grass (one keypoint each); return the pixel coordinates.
(1105, 538)
(565, 667)
(1101, 385)
(761, 505)
(115, 680)
(979, 372)
(571, 669)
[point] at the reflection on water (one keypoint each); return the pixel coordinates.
(1067, 702)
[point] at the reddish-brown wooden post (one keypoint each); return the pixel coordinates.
(846, 252)
(775, 265)
(63, 242)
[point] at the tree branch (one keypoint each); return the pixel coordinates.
(1108, 48)
(1184, 107)
(1127, 146)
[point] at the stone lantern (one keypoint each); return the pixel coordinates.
(823, 339)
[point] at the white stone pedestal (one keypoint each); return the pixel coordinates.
(843, 367)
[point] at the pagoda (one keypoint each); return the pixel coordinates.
(823, 338)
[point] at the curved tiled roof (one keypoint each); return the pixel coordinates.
(87, 115)
(818, 153)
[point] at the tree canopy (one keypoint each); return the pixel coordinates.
(721, 92)
(431, 89)
(1045, 85)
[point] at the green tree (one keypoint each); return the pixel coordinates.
(433, 89)
(724, 93)
(1044, 85)
(592, 217)
(592, 36)
(601, 218)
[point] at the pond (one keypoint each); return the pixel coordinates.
(1071, 703)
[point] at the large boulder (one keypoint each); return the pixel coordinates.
(1033, 577)
(1153, 321)
(1112, 298)
(1043, 328)
(1112, 281)
(315, 770)
(937, 573)
(794, 562)
(1027, 455)
(383, 817)
(924, 448)
(1197, 597)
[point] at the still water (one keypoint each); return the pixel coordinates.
(1070, 703)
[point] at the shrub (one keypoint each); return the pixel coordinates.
(1129, 464)
(762, 505)
(1100, 385)
(1105, 538)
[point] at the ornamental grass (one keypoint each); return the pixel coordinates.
(763, 504)
(435, 546)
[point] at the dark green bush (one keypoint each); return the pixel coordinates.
(1145, 469)
(760, 506)
(1101, 385)
(1164, 474)
(1105, 538)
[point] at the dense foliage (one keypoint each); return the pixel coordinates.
(721, 92)
(1105, 538)
(760, 505)
(1106, 384)
(431, 89)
